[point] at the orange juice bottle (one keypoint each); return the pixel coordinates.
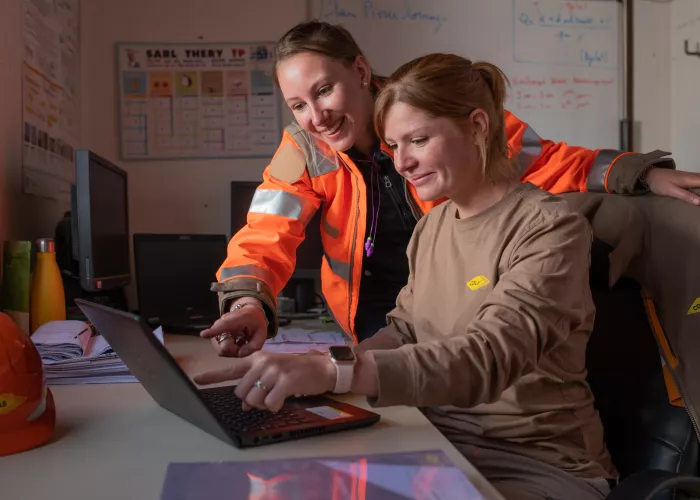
(48, 300)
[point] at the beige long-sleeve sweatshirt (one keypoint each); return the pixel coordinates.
(489, 335)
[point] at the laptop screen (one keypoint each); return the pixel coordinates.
(174, 273)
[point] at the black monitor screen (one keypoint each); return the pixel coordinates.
(109, 224)
(100, 209)
(174, 274)
(310, 251)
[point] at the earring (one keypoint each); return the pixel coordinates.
(364, 84)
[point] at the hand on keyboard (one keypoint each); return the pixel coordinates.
(267, 379)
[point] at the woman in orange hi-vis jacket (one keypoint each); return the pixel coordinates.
(330, 157)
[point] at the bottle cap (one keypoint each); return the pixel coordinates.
(46, 245)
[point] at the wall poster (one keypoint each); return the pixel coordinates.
(197, 100)
(50, 96)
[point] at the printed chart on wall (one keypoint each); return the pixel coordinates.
(184, 101)
(50, 96)
(563, 58)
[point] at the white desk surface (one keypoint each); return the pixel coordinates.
(112, 441)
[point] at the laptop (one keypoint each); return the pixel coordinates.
(174, 273)
(217, 410)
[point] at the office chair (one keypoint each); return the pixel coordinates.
(653, 444)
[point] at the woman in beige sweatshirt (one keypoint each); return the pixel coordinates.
(489, 335)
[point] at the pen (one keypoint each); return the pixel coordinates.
(85, 330)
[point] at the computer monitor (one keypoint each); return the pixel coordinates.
(174, 273)
(309, 253)
(100, 223)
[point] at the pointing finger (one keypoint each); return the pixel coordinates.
(224, 324)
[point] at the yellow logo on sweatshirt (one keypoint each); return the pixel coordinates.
(9, 402)
(478, 282)
(695, 308)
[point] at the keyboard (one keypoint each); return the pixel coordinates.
(229, 408)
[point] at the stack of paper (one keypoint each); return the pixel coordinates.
(72, 354)
(103, 369)
(63, 340)
(300, 340)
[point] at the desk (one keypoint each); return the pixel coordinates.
(114, 442)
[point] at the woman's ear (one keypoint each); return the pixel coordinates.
(362, 65)
(479, 121)
(479, 125)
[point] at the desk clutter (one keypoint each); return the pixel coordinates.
(301, 340)
(32, 297)
(73, 353)
(410, 475)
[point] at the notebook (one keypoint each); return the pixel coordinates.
(216, 410)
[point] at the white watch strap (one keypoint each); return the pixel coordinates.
(343, 378)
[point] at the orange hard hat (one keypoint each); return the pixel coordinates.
(27, 411)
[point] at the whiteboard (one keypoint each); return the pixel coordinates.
(685, 71)
(563, 58)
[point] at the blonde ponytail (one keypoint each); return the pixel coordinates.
(496, 80)
(497, 148)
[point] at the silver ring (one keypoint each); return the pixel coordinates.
(223, 336)
(240, 339)
(260, 385)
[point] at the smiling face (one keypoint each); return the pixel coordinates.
(435, 154)
(330, 99)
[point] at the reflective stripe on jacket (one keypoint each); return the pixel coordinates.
(261, 256)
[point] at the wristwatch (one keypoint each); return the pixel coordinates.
(344, 359)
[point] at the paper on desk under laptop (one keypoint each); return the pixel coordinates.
(300, 340)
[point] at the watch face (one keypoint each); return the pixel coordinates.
(342, 353)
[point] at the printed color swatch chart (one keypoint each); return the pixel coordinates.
(184, 101)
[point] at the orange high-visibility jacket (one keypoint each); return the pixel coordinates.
(305, 172)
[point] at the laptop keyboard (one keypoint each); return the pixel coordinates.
(229, 408)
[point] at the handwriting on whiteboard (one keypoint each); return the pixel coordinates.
(688, 24)
(382, 10)
(565, 33)
(563, 14)
(556, 93)
(689, 52)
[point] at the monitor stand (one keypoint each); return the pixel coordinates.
(115, 298)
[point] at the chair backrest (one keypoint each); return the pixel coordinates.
(643, 430)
